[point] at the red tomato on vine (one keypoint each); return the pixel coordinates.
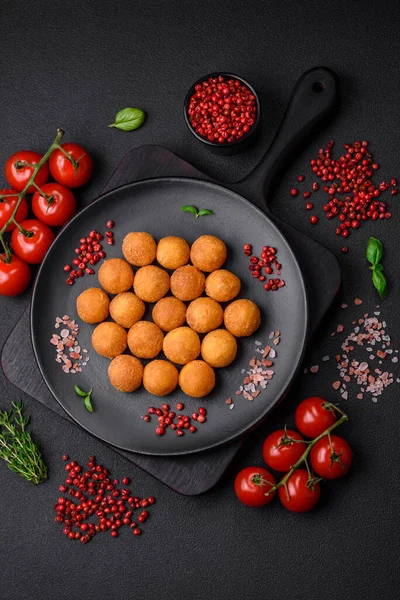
(14, 276)
(251, 485)
(64, 171)
(280, 452)
(32, 247)
(55, 205)
(18, 175)
(313, 417)
(301, 493)
(7, 206)
(331, 458)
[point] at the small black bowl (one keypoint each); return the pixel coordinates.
(227, 148)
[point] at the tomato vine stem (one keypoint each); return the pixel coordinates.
(6, 257)
(310, 445)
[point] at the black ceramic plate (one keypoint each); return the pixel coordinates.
(154, 206)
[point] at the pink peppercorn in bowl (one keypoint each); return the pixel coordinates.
(223, 111)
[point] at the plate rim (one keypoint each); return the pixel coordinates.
(248, 428)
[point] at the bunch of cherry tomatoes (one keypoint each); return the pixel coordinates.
(330, 457)
(53, 205)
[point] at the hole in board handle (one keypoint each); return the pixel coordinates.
(318, 87)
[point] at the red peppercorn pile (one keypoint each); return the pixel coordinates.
(222, 110)
(352, 195)
(94, 493)
(89, 253)
(177, 422)
(267, 261)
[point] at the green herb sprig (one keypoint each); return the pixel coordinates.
(195, 211)
(374, 256)
(129, 119)
(87, 397)
(17, 447)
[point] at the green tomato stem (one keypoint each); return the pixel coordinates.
(36, 168)
(75, 163)
(304, 456)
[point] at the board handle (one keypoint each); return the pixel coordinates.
(314, 97)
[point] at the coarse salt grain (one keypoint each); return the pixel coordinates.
(259, 374)
(67, 340)
(368, 332)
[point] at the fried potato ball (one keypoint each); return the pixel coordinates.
(126, 309)
(173, 252)
(151, 283)
(187, 283)
(115, 276)
(219, 348)
(139, 248)
(242, 318)
(181, 345)
(169, 313)
(109, 339)
(204, 314)
(92, 305)
(125, 373)
(197, 379)
(145, 339)
(208, 253)
(222, 285)
(160, 377)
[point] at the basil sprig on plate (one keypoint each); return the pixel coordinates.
(87, 397)
(374, 256)
(129, 119)
(194, 210)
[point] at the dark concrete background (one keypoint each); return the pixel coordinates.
(74, 65)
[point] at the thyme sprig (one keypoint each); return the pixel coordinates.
(17, 447)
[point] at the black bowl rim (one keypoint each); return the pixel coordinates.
(205, 140)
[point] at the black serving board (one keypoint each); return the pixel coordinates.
(192, 474)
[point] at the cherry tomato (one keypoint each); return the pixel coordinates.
(279, 454)
(7, 206)
(32, 249)
(301, 495)
(14, 276)
(312, 418)
(18, 176)
(59, 209)
(63, 170)
(251, 485)
(329, 463)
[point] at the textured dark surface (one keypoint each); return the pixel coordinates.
(75, 65)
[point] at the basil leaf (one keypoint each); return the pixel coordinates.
(80, 392)
(203, 212)
(377, 267)
(379, 281)
(88, 403)
(189, 209)
(374, 251)
(129, 119)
